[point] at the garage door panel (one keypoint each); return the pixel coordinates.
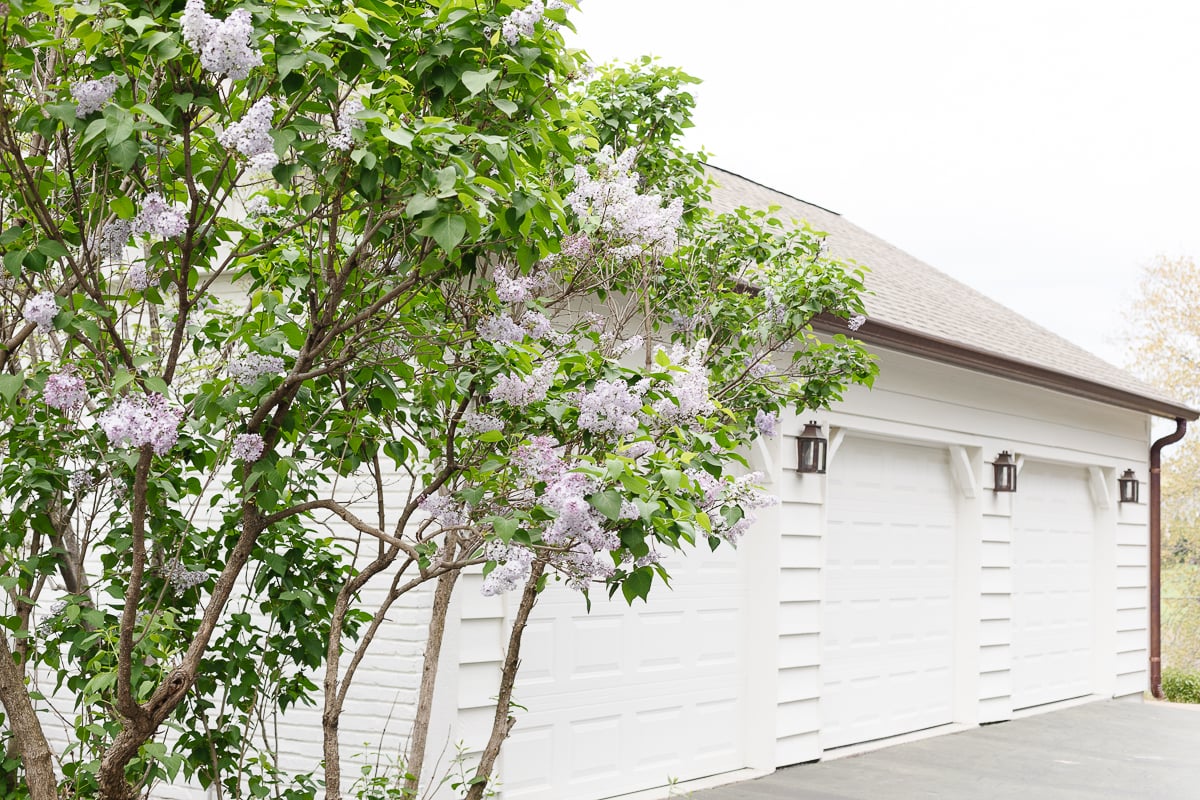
(889, 578)
(631, 696)
(1052, 631)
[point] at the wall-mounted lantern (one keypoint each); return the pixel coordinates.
(811, 449)
(1005, 473)
(1128, 486)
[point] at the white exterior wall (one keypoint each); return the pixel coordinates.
(975, 417)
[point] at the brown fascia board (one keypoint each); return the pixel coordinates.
(906, 340)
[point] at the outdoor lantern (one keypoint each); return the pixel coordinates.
(811, 449)
(1128, 484)
(1005, 473)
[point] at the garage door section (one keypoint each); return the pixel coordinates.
(623, 699)
(887, 626)
(1053, 530)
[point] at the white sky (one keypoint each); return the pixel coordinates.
(1041, 151)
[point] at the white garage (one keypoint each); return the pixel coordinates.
(626, 698)
(1053, 591)
(888, 612)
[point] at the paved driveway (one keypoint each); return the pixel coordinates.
(1117, 749)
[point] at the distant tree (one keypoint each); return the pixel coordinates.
(1164, 349)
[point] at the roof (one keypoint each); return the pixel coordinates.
(914, 308)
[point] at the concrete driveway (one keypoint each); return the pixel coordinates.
(1116, 749)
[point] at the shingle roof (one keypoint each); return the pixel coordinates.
(915, 301)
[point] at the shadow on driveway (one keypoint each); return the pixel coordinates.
(1116, 749)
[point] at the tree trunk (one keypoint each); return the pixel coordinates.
(503, 722)
(31, 742)
(433, 651)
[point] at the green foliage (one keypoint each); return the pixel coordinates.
(183, 597)
(1181, 686)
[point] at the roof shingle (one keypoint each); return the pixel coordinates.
(907, 293)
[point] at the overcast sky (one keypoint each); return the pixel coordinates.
(1041, 152)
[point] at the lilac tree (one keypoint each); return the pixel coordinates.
(256, 254)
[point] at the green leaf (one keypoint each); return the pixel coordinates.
(447, 230)
(504, 527)
(122, 207)
(10, 385)
(607, 503)
(118, 125)
(123, 155)
(507, 106)
(672, 478)
(52, 249)
(637, 584)
(398, 136)
(419, 204)
(477, 81)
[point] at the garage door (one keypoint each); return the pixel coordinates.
(624, 699)
(1053, 524)
(887, 644)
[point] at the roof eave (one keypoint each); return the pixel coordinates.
(905, 340)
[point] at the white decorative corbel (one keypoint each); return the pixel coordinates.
(964, 475)
(836, 437)
(1099, 483)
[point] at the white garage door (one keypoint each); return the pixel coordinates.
(1053, 524)
(625, 699)
(887, 628)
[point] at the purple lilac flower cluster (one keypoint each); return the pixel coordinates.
(115, 237)
(767, 423)
(512, 567)
(524, 391)
(41, 309)
(251, 136)
(741, 492)
(856, 321)
(92, 95)
(610, 407)
(690, 398)
(181, 578)
(342, 138)
(140, 420)
(159, 219)
(253, 366)
(65, 391)
(636, 222)
(446, 510)
(247, 447)
(513, 290)
(520, 24)
(224, 45)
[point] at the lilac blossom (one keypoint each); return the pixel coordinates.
(225, 46)
(500, 329)
(856, 321)
(140, 420)
(513, 563)
(639, 449)
(512, 290)
(248, 447)
(41, 309)
(140, 278)
(526, 390)
(258, 206)
(521, 23)
(251, 136)
(80, 481)
(767, 423)
(448, 512)
(92, 95)
(342, 138)
(115, 237)
(635, 222)
(181, 578)
(251, 367)
(540, 460)
(159, 219)
(629, 510)
(689, 388)
(609, 407)
(474, 422)
(65, 391)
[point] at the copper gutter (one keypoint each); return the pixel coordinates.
(1156, 554)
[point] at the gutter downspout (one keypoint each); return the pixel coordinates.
(1156, 554)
